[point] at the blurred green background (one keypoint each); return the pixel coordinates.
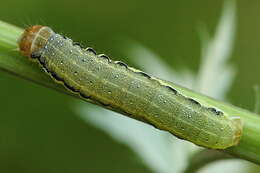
(39, 132)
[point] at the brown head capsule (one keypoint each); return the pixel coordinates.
(34, 39)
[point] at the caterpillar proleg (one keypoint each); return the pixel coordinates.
(116, 86)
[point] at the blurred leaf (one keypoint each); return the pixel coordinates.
(215, 75)
(150, 144)
(153, 64)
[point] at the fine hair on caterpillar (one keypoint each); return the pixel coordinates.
(134, 93)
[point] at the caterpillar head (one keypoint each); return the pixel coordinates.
(34, 39)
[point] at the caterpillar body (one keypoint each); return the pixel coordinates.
(116, 86)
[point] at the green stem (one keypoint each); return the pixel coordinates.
(12, 62)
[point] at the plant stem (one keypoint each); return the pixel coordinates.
(12, 62)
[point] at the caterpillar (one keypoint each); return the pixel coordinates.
(116, 86)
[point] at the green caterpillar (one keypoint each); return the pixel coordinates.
(115, 86)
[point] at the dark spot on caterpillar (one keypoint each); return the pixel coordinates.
(77, 44)
(91, 50)
(70, 87)
(194, 101)
(35, 55)
(144, 74)
(121, 63)
(64, 37)
(84, 96)
(105, 57)
(41, 60)
(45, 69)
(212, 110)
(172, 89)
(215, 111)
(220, 113)
(55, 76)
